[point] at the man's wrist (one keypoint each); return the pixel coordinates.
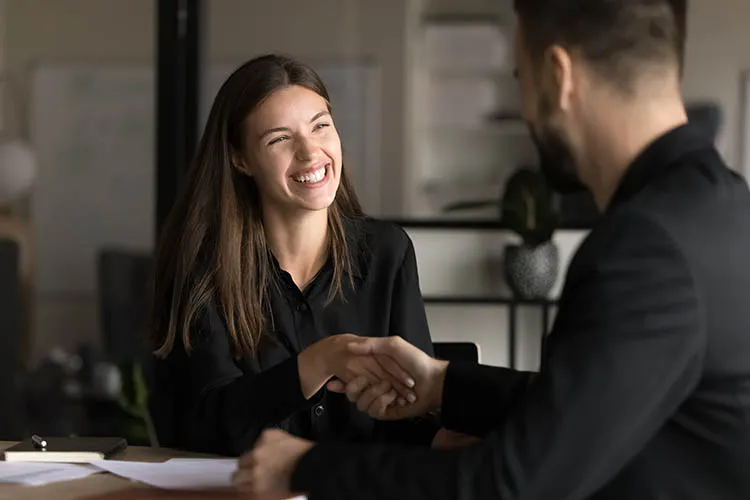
(436, 399)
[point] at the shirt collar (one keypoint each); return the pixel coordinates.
(662, 154)
(357, 248)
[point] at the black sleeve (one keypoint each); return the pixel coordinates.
(224, 409)
(409, 320)
(627, 349)
(476, 398)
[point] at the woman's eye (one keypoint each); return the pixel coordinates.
(321, 125)
(277, 140)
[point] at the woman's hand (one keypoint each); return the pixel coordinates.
(394, 353)
(331, 357)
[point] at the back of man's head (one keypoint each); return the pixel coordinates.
(619, 39)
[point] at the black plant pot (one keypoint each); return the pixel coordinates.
(531, 271)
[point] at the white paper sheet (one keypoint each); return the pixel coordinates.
(187, 474)
(40, 473)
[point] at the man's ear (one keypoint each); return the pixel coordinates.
(559, 64)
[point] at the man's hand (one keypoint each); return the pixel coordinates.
(264, 473)
(331, 357)
(447, 440)
(396, 356)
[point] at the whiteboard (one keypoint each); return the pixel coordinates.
(93, 128)
(93, 132)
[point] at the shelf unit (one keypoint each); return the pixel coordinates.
(463, 74)
(458, 147)
(512, 303)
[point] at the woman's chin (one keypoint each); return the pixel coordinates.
(315, 200)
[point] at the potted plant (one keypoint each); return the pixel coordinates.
(137, 426)
(527, 207)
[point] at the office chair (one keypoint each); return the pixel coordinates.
(124, 302)
(457, 351)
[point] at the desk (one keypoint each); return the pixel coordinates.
(105, 486)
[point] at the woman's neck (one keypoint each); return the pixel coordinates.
(299, 242)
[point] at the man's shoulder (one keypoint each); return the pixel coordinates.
(625, 233)
(694, 192)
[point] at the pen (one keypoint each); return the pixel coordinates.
(38, 442)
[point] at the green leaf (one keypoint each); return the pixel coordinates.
(528, 207)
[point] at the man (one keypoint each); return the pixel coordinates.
(644, 390)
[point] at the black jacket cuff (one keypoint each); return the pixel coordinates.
(476, 397)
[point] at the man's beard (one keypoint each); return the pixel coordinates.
(556, 161)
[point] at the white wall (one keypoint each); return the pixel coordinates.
(718, 50)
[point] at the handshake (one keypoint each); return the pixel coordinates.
(387, 378)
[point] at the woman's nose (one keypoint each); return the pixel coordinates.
(307, 149)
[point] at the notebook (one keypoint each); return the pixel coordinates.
(68, 450)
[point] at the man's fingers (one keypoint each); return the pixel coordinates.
(242, 479)
(370, 346)
(372, 371)
(246, 460)
(395, 370)
(362, 348)
(402, 382)
(370, 367)
(390, 355)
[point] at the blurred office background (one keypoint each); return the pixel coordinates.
(101, 104)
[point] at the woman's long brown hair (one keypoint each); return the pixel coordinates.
(213, 249)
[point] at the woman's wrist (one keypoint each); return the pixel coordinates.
(314, 368)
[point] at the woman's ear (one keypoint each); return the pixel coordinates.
(240, 164)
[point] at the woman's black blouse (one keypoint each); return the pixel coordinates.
(210, 402)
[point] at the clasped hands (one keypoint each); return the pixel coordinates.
(387, 378)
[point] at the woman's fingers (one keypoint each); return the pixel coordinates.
(355, 388)
(368, 397)
(337, 386)
(379, 405)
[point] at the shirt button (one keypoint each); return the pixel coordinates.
(302, 307)
(319, 410)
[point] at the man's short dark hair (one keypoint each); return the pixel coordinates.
(615, 36)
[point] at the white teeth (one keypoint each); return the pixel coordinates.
(315, 176)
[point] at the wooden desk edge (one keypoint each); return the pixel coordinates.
(109, 486)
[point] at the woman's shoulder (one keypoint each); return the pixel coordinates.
(378, 246)
(380, 236)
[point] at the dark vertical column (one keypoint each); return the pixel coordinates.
(178, 64)
(512, 324)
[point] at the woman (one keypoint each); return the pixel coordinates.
(264, 261)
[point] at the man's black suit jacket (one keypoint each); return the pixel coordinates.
(644, 389)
